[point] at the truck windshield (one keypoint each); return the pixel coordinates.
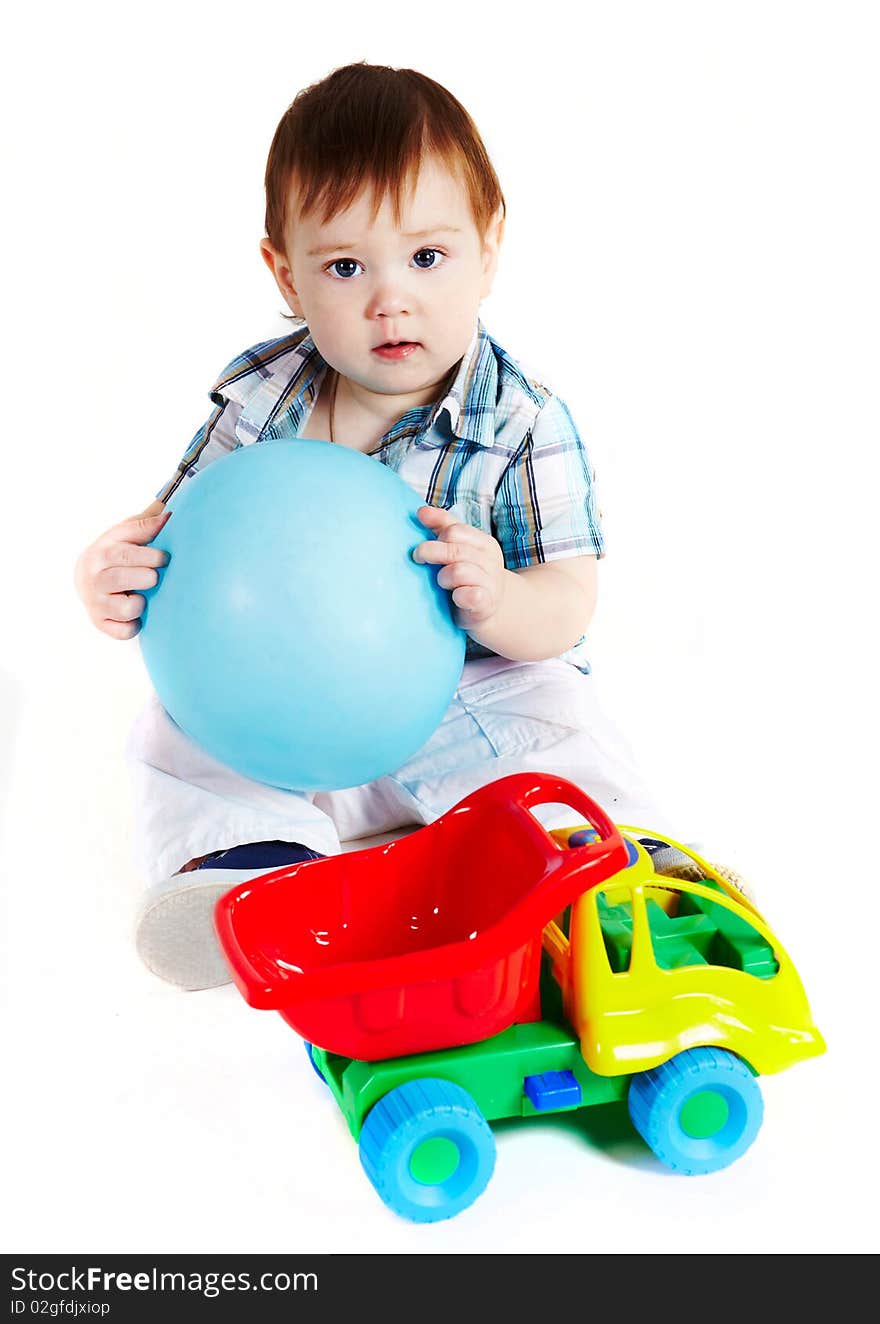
(686, 930)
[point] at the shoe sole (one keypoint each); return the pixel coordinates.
(174, 931)
(670, 862)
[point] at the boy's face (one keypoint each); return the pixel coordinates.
(360, 285)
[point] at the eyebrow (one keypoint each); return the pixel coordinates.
(415, 234)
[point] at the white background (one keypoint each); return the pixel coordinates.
(691, 261)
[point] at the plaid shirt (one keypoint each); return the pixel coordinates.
(499, 449)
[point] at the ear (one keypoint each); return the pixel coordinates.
(280, 268)
(491, 249)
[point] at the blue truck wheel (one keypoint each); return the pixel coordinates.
(699, 1111)
(427, 1149)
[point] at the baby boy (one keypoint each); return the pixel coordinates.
(384, 220)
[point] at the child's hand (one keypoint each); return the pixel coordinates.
(472, 561)
(119, 562)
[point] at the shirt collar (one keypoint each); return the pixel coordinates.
(469, 401)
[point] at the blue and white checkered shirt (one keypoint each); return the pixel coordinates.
(499, 449)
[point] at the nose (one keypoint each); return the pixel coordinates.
(388, 298)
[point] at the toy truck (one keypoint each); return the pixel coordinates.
(484, 967)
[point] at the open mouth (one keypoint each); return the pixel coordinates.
(396, 349)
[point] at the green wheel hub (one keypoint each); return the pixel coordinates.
(434, 1160)
(703, 1114)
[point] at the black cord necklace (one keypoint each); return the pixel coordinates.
(333, 386)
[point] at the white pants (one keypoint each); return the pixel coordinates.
(505, 717)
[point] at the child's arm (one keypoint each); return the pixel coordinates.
(110, 572)
(527, 615)
(527, 589)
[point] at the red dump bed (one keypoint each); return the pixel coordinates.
(428, 942)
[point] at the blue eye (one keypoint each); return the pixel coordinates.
(343, 262)
(432, 252)
(343, 268)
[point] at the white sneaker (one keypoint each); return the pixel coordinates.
(674, 863)
(174, 928)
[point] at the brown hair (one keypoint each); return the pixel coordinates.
(371, 125)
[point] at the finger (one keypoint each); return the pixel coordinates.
(122, 606)
(122, 579)
(130, 554)
(473, 600)
(462, 574)
(457, 531)
(141, 531)
(120, 629)
(443, 551)
(433, 552)
(435, 517)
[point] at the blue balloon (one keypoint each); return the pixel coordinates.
(291, 634)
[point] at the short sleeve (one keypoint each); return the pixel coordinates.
(545, 503)
(214, 438)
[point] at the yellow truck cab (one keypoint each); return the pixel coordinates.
(651, 966)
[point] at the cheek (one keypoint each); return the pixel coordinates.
(325, 300)
(319, 288)
(314, 289)
(456, 298)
